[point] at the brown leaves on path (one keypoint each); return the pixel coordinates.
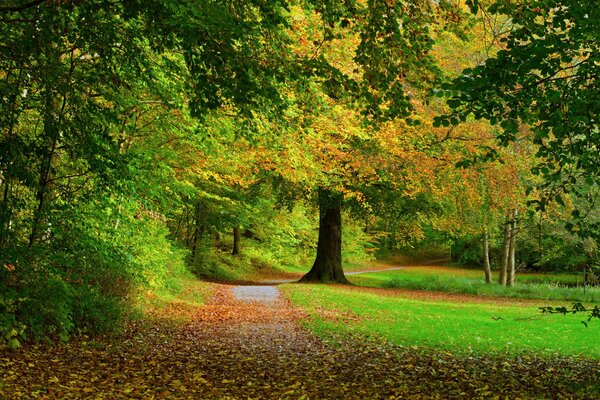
(231, 349)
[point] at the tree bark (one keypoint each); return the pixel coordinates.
(199, 232)
(236, 241)
(328, 263)
(505, 254)
(510, 279)
(5, 212)
(43, 181)
(486, 258)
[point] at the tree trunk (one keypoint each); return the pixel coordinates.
(385, 234)
(486, 258)
(197, 242)
(53, 119)
(510, 280)
(236, 240)
(505, 253)
(5, 212)
(43, 182)
(328, 263)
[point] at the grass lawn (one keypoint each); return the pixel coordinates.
(470, 281)
(467, 325)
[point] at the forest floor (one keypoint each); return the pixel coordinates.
(250, 343)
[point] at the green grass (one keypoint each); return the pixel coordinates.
(461, 280)
(183, 288)
(462, 328)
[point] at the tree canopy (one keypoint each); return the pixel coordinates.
(544, 78)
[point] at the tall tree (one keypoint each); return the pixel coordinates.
(373, 66)
(486, 257)
(512, 248)
(545, 77)
(504, 263)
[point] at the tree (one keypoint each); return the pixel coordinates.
(376, 62)
(486, 257)
(544, 78)
(512, 248)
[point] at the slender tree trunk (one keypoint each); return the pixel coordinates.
(186, 223)
(385, 234)
(199, 231)
(43, 185)
(5, 212)
(486, 258)
(236, 241)
(505, 254)
(510, 280)
(53, 119)
(328, 263)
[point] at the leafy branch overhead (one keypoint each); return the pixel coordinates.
(544, 78)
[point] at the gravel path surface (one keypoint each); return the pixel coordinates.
(263, 293)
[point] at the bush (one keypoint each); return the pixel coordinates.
(47, 307)
(10, 329)
(83, 277)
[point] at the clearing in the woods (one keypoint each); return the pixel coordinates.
(317, 342)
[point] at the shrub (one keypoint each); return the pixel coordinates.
(83, 277)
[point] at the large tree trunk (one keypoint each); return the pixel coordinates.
(505, 253)
(328, 264)
(510, 280)
(486, 258)
(236, 240)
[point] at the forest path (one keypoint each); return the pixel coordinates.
(264, 294)
(249, 343)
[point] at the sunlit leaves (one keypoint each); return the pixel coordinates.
(545, 78)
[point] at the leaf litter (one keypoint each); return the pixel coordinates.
(231, 349)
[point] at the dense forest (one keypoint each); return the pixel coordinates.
(143, 141)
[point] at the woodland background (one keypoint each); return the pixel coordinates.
(143, 141)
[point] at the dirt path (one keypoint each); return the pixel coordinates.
(262, 294)
(248, 343)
